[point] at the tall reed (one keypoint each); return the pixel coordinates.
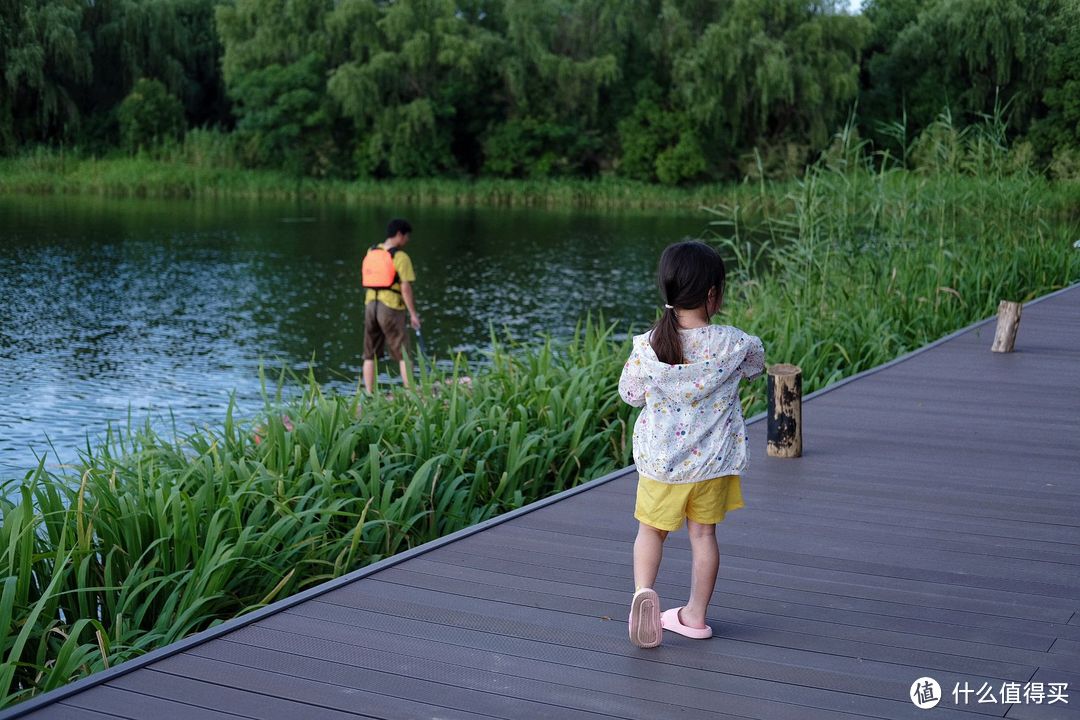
(871, 260)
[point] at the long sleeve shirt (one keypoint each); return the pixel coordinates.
(692, 426)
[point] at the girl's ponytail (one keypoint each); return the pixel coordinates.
(688, 272)
(665, 339)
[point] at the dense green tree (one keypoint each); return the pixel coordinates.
(149, 115)
(172, 41)
(554, 77)
(671, 91)
(275, 66)
(657, 142)
(974, 58)
(45, 62)
(411, 78)
(1057, 131)
(769, 75)
(67, 64)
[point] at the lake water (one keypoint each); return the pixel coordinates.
(159, 308)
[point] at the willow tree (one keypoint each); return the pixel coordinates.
(412, 79)
(777, 77)
(1056, 131)
(973, 58)
(45, 59)
(274, 65)
(168, 41)
(554, 76)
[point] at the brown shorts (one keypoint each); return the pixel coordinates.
(383, 328)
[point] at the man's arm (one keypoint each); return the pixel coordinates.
(407, 296)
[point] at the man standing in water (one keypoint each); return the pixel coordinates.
(388, 277)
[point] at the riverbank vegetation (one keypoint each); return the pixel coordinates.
(666, 92)
(153, 536)
(184, 173)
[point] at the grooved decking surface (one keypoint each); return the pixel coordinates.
(932, 528)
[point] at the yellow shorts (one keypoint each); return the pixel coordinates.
(664, 505)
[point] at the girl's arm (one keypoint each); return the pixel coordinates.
(753, 363)
(632, 381)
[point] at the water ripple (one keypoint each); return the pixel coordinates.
(118, 311)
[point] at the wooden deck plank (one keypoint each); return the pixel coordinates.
(794, 629)
(1066, 651)
(721, 671)
(886, 537)
(760, 636)
(442, 680)
(536, 659)
(989, 580)
(133, 705)
(874, 531)
(915, 563)
(594, 650)
(332, 691)
(932, 527)
(820, 607)
(748, 590)
(562, 684)
(65, 711)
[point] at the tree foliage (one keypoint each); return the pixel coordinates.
(45, 60)
(669, 91)
(971, 58)
(68, 64)
(149, 115)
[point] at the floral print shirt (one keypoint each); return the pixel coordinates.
(692, 426)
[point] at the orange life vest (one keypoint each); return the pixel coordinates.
(378, 271)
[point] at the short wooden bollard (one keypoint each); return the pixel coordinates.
(1008, 322)
(785, 411)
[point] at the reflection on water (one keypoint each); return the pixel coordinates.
(162, 308)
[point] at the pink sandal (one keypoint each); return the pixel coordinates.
(670, 621)
(646, 630)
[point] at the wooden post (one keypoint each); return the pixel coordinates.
(785, 411)
(1008, 322)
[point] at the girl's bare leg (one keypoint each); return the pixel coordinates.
(705, 563)
(648, 549)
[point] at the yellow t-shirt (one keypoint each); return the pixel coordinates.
(391, 297)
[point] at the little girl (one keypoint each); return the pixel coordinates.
(690, 439)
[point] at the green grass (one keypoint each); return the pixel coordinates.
(54, 172)
(153, 537)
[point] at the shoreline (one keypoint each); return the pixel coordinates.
(44, 172)
(58, 173)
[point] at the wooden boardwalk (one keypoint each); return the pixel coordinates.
(932, 528)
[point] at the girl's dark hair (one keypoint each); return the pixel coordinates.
(688, 271)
